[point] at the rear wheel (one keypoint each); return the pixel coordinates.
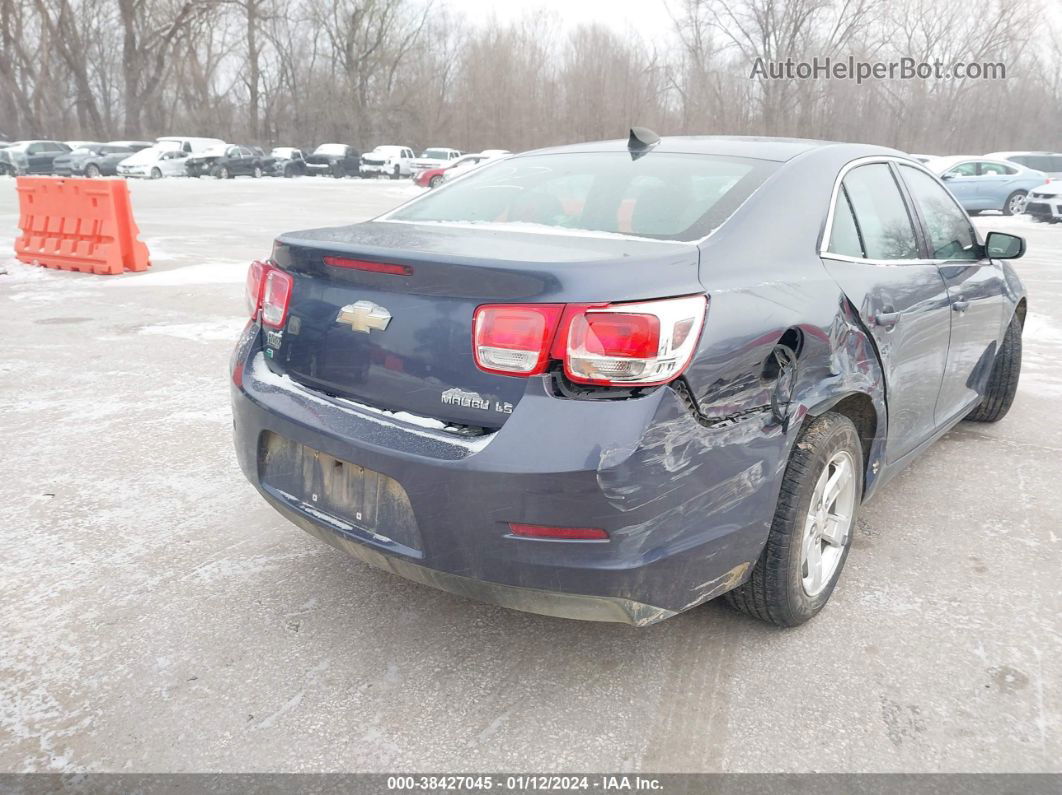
(1003, 382)
(92, 170)
(1015, 204)
(812, 529)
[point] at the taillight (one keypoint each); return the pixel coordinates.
(253, 294)
(558, 533)
(647, 343)
(276, 294)
(514, 339)
(642, 344)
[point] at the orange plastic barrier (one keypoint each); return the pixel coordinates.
(78, 225)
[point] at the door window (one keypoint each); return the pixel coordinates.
(844, 236)
(880, 213)
(988, 168)
(950, 234)
(968, 169)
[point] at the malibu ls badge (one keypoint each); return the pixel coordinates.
(364, 316)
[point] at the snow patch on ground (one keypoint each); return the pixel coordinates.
(1040, 329)
(214, 330)
(206, 273)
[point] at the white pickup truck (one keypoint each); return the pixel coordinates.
(391, 161)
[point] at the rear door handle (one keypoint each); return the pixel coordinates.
(887, 320)
(960, 306)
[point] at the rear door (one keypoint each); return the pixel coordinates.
(874, 253)
(975, 291)
(964, 182)
(995, 182)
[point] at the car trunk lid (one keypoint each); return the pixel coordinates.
(398, 336)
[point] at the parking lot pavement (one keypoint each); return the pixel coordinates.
(156, 615)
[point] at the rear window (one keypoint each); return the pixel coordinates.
(662, 195)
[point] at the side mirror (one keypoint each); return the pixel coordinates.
(1000, 245)
(947, 176)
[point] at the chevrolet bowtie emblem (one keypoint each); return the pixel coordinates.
(364, 316)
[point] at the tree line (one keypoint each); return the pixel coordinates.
(417, 72)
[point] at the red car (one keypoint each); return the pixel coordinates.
(429, 178)
(433, 177)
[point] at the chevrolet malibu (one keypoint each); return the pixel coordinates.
(615, 380)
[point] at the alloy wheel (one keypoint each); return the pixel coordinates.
(828, 523)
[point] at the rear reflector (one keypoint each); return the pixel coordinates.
(275, 297)
(514, 339)
(558, 533)
(366, 265)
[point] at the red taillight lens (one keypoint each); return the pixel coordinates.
(514, 339)
(647, 343)
(643, 344)
(616, 334)
(558, 533)
(253, 294)
(366, 265)
(275, 297)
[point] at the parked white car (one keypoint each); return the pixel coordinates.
(155, 162)
(390, 161)
(187, 144)
(434, 157)
(1045, 202)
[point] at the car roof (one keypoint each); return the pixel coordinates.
(1005, 155)
(762, 148)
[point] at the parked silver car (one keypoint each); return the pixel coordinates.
(981, 183)
(1048, 162)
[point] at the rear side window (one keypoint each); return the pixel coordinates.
(844, 236)
(989, 168)
(881, 213)
(662, 195)
(950, 234)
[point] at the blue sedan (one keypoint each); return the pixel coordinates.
(615, 380)
(981, 183)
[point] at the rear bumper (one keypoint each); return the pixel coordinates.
(687, 508)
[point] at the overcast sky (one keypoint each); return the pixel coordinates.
(648, 17)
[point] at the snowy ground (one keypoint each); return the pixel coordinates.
(156, 615)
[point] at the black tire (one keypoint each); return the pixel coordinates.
(156, 173)
(338, 171)
(257, 173)
(1003, 382)
(775, 592)
(92, 170)
(6, 171)
(435, 181)
(397, 173)
(1010, 206)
